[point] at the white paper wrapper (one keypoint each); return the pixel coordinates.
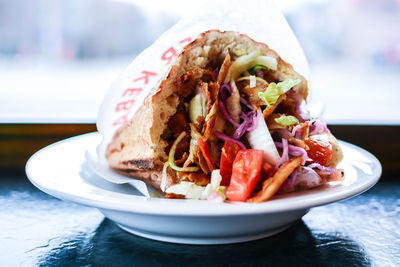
(260, 20)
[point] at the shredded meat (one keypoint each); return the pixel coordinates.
(203, 87)
(182, 159)
(287, 106)
(251, 94)
(268, 110)
(304, 130)
(174, 196)
(294, 141)
(213, 87)
(210, 121)
(223, 71)
(201, 161)
(202, 81)
(189, 81)
(181, 148)
(198, 178)
(178, 123)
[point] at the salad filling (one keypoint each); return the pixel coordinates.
(241, 133)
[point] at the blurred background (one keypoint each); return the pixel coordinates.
(59, 57)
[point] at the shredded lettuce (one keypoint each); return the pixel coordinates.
(171, 157)
(258, 67)
(192, 191)
(258, 79)
(273, 91)
(253, 82)
(287, 120)
(213, 185)
(197, 108)
(189, 189)
(245, 62)
(164, 177)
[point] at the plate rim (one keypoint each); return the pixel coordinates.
(174, 207)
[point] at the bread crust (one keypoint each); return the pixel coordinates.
(136, 148)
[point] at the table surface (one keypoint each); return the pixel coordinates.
(40, 230)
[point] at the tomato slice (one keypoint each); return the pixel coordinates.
(246, 171)
(320, 149)
(228, 155)
(204, 150)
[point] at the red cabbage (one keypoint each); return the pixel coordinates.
(227, 138)
(285, 153)
(244, 102)
(225, 92)
(294, 151)
(225, 114)
(248, 124)
(254, 121)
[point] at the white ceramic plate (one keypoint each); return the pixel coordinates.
(61, 170)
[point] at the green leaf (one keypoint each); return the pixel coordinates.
(285, 120)
(273, 91)
(259, 67)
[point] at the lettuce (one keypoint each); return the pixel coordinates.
(171, 157)
(197, 108)
(287, 120)
(273, 91)
(248, 61)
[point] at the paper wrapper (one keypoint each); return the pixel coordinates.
(260, 20)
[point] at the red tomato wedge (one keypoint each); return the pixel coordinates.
(228, 155)
(246, 171)
(320, 149)
(204, 150)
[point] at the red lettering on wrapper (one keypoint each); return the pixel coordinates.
(169, 54)
(146, 76)
(126, 105)
(186, 40)
(132, 91)
(121, 120)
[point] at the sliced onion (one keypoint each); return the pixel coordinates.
(295, 151)
(308, 178)
(227, 138)
(318, 126)
(325, 170)
(292, 177)
(295, 129)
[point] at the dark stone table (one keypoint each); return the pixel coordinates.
(39, 230)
